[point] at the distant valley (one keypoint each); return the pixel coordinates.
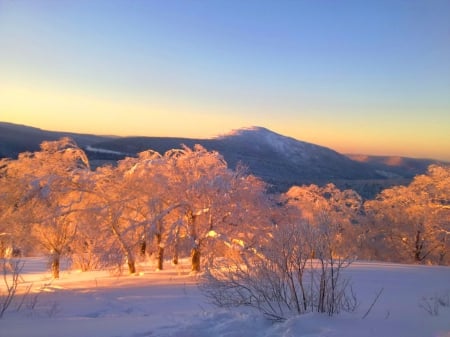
(279, 160)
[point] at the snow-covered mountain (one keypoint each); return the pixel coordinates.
(283, 160)
(279, 160)
(264, 139)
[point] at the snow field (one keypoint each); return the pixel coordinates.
(169, 304)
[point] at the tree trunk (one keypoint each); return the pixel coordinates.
(143, 247)
(322, 288)
(195, 252)
(441, 258)
(195, 259)
(131, 266)
(55, 264)
(418, 247)
(175, 249)
(160, 253)
(175, 256)
(160, 258)
(126, 250)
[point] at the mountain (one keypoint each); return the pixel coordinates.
(279, 160)
(282, 160)
(15, 139)
(394, 166)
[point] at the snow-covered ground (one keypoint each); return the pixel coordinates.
(169, 303)
(99, 150)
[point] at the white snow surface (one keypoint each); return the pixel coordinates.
(169, 303)
(99, 150)
(291, 148)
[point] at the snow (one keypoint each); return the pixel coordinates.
(99, 150)
(291, 148)
(168, 303)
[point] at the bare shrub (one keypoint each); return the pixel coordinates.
(281, 278)
(11, 269)
(14, 294)
(432, 304)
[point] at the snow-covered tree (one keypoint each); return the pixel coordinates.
(279, 276)
(11, 187)
(51, 192)
(154, 211)
(114, 212)
(412, 223)
(131, 202)
(334, 214)
(221, 206)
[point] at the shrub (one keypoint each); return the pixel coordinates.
(292, 273)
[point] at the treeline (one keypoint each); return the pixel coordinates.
(187, 202)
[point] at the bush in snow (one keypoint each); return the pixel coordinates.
(293, 272)
(432, 304)
(10, 270)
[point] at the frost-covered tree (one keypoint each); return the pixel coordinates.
(335, 214)
(112, 203)
(11, 187)
(197, 179)
(50, 196)
(154, 210)
(279, 276)
(131, 202)
(412, 223)
(218, 203)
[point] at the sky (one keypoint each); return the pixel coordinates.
(368, 77)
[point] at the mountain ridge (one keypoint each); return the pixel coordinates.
(280, 160)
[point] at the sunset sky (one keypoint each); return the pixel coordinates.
(357, 76)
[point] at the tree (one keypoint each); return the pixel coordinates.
(412, 223)
(12, 233)
(218, 202)
(155, 208)
(112, 203)
(50, 194)
(335, 213)
(132, 203)
(94, 246)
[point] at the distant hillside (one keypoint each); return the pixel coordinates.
(279, 160)
(395, 166)
(15, 139)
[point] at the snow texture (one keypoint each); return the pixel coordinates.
(169, 304)
(95, 149)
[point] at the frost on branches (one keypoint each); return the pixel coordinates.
(412, 223)
(296, 267)
(188, 203)
(53, 203)
(46, 195)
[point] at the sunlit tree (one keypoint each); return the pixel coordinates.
(296, 266)
(220, 205)
(12, 231)
(412, 223)
(151, 214)
(112, 204)
(50, 195)
(334, 214)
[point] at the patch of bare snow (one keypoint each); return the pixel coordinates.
(99, 150)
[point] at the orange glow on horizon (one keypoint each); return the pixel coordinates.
(57, 110)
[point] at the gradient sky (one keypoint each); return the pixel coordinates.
(357, 76)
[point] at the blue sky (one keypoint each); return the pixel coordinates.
(356, 76)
